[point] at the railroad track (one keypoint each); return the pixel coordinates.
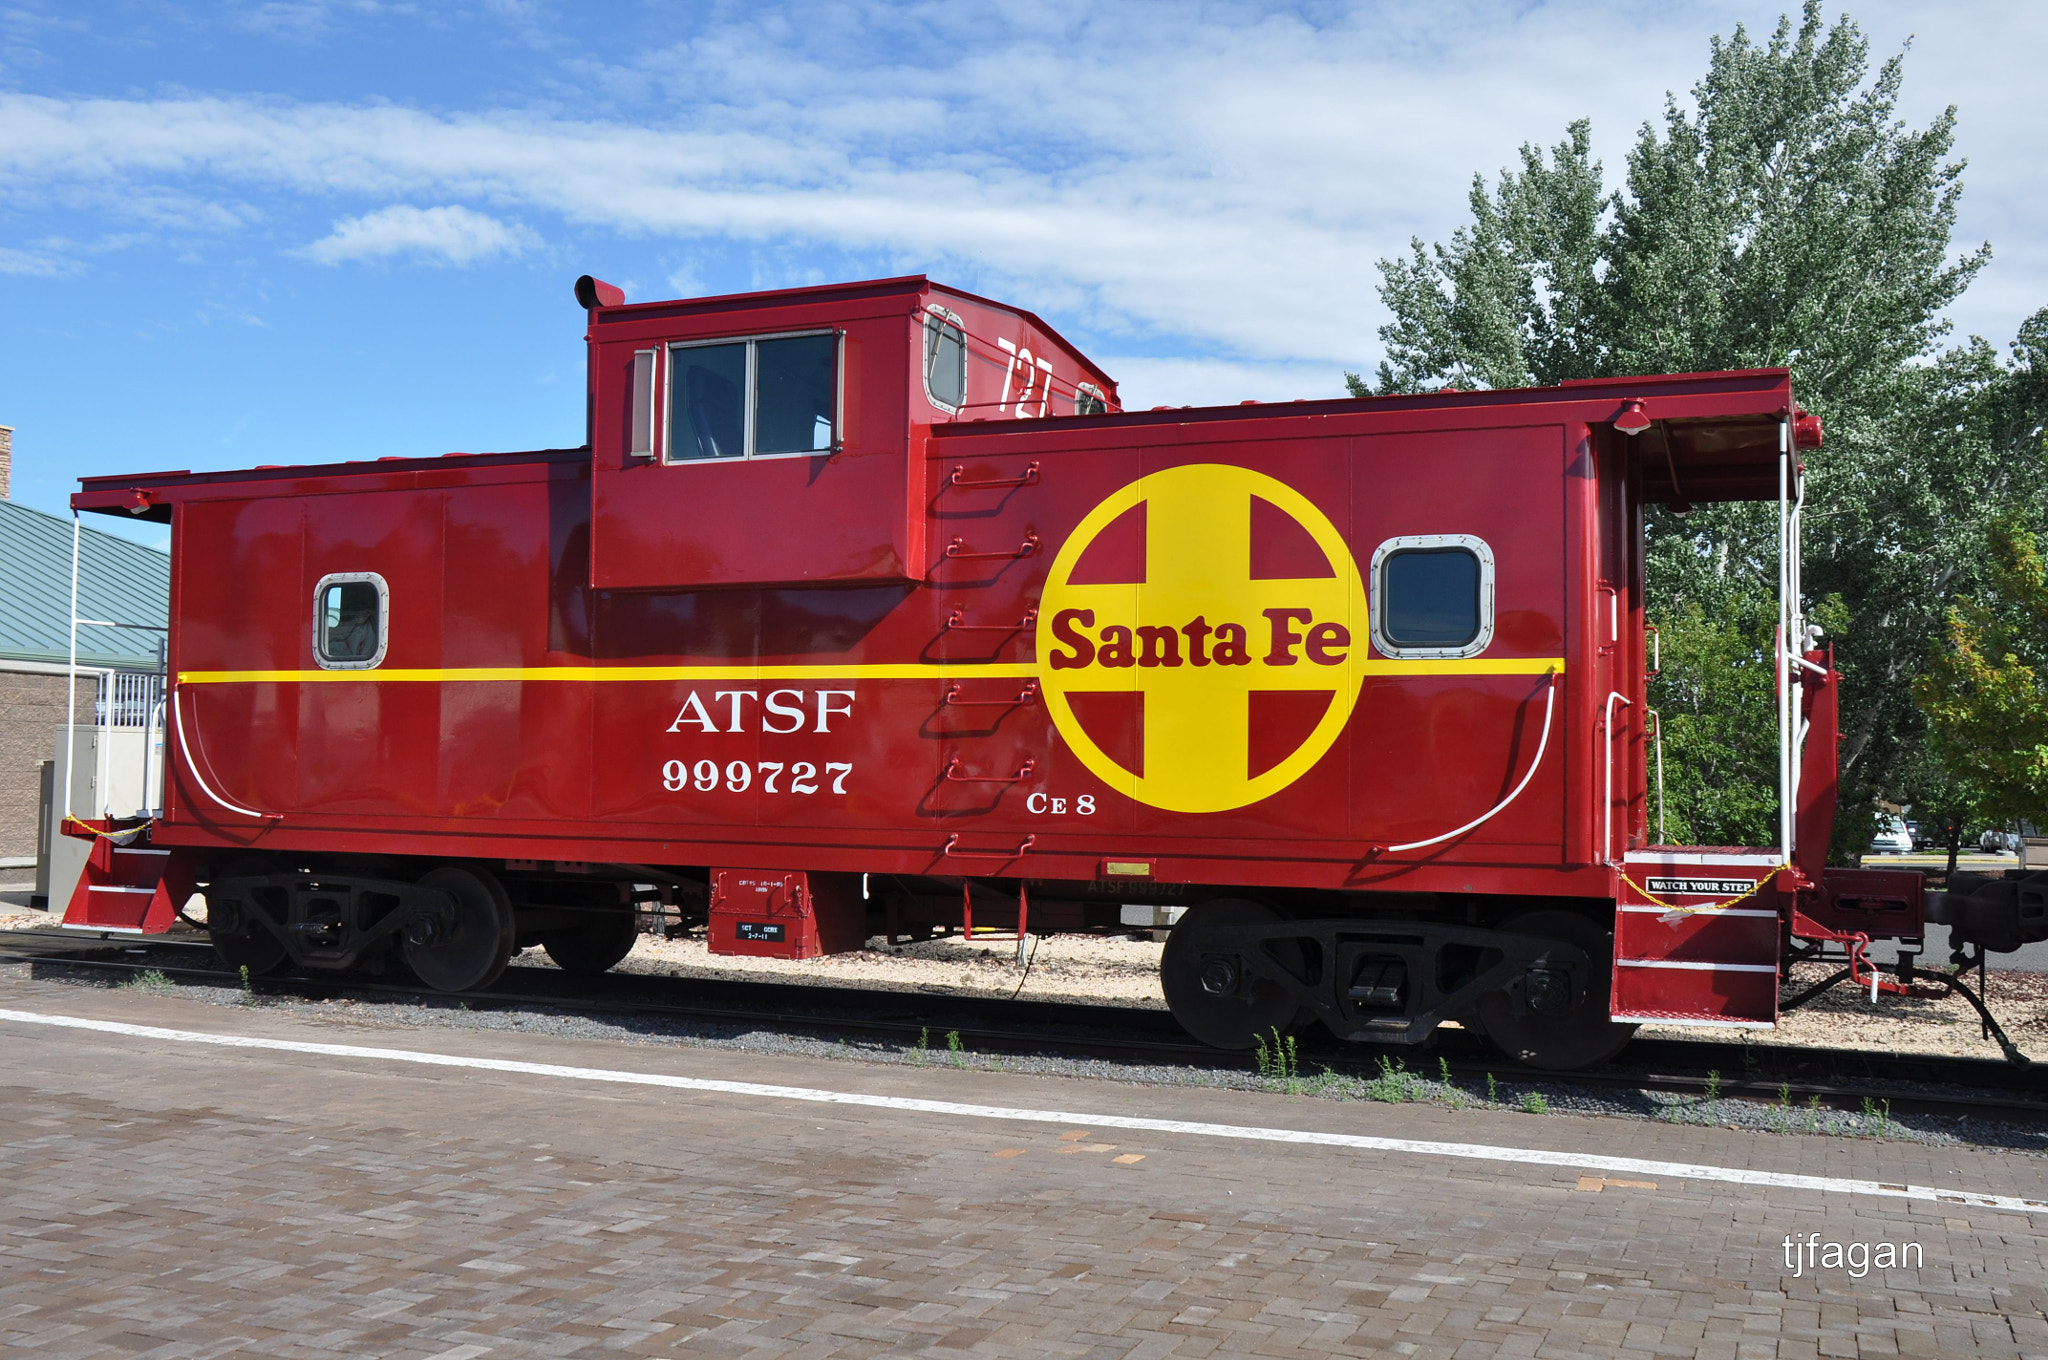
(1840, 1078)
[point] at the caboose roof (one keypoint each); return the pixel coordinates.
(1713, 436)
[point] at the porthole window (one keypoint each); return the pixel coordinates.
(945, 360)
(767, 397)
(351, 611)
(1088, 400)
(1432, 596)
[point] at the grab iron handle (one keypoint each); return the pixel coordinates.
(948, 852)
(1026, 695)
(961, 480)
(953, 624)
(957, 550)
(1023, 773)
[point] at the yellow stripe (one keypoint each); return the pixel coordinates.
(589, 674)
(1000, 670)
(1477, 665)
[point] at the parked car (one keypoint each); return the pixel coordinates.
(1920, 838)
(1892, 838)
(1999, 841)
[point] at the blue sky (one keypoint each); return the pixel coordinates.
(285, 231)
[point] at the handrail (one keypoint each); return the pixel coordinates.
(1029, 475)
(953, 624)
(1657, 731)
(192, 765)
(149, 730)
(1023, 773)
(947, 851)
(1542, 743)
(1026, 695)
(1607, 802)
(956, 551)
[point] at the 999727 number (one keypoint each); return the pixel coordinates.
(737, 777)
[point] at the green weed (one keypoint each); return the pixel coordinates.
(1775, 1113)
(1280, 1062)
(1454, 1094)
(920, 1052)
(957, 1049)
(149, 980)
(248, 991)
(1492, 1093)
(1395, 1083)
(1534, 1103)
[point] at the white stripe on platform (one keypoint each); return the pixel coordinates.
(1477, 1152)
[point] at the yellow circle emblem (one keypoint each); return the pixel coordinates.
(1192, 620)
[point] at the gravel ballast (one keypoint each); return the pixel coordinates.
(1099, 970)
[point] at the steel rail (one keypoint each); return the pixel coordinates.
(991, 1026)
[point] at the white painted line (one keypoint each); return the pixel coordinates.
(1476, 1152)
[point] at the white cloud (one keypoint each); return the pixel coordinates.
(306, 20)
(447, 235)
(1204, 176)
(36, 264)
(1144, 382)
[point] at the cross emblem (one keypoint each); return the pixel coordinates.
(1200, 634)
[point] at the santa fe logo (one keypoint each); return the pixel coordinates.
(1192, 636)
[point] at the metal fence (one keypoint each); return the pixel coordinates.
(129, 699)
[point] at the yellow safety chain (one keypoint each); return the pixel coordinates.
(121, 837)
(1705, 906)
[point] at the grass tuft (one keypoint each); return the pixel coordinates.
(151, 980)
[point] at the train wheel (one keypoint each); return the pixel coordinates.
(1571, 1039)
(472, 950)
(240, 941)
(594, 946)
(1211, 993)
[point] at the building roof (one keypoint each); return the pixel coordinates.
(118, 580)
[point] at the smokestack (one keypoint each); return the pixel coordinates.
(6, 460)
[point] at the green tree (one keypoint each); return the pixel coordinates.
(1789, 218)
(1985, 692)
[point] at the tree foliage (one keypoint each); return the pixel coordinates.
(1985, 692)
(1787, 218)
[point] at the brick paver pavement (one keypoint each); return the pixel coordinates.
(169, 1200)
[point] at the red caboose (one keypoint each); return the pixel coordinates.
(870, 600)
